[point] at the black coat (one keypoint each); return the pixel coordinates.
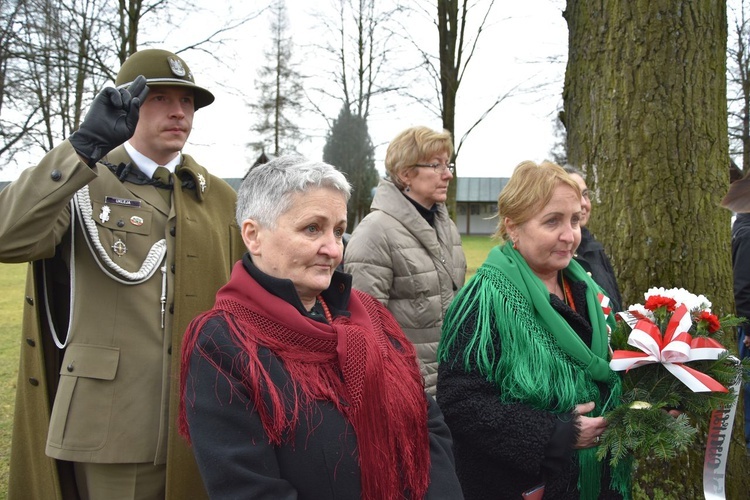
(501, 449)
(590, 254)
(318, 462)
(741, 264)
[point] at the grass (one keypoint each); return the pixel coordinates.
(476, 249)
(12, 282)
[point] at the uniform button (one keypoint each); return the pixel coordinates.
(171, 268)
(172, 231)
(342, 287)
(31, 342)
(169, 350)
(30, 300)
(70, 368)
(171, 308)
(120, 223)
(55, 175)
(33, 381)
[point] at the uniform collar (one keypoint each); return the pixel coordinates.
(146, 164)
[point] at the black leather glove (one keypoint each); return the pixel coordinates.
(110, 121)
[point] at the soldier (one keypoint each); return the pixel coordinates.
(120, 262)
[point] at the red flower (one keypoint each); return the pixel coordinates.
(656, 301)
(712, 322)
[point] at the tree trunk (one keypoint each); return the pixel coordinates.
(645, 112)
(447, 23)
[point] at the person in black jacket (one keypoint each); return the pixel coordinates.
(741, 272)
(737, 200)
(590, 253)
(295, 385)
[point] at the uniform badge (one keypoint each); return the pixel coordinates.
(176, 66)
(119, 248)
(136, 221)
(202, 182)
(113, 200)
(104, 215)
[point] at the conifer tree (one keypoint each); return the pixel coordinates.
(281, 91)
(349, 148)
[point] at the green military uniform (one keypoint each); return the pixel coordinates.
(111, 395)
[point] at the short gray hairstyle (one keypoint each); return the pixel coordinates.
(267, 190)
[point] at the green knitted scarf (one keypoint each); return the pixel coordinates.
(544, 363)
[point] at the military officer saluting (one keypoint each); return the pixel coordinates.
(127, 239)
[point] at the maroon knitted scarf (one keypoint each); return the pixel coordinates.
(363, 364)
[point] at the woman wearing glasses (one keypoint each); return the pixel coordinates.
(407, 252)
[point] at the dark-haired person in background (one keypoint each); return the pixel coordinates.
(737, 200)
(590, 253)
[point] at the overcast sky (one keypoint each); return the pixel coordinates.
(513, 52)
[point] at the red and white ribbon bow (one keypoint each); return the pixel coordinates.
(604, 302)
(673, 349)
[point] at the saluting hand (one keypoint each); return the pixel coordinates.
(110, 121)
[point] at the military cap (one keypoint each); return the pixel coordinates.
(161, 67)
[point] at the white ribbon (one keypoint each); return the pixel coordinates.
(680, 348)
(717, 445)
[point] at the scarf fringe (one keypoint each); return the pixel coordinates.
(622, 477)
(529, 363)
(510, 345)
(589, 475)
(401, 421)
(381, 391)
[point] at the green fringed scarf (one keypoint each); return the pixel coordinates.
(544, 363)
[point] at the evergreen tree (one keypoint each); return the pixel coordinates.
(281, 91)
(349, 148)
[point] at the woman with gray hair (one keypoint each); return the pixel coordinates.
(294, 385)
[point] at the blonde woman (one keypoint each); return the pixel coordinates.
(407, 252)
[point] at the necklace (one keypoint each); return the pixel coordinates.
(326, 311)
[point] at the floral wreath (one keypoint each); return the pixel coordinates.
(668, 352)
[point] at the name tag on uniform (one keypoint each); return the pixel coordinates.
(122, 201)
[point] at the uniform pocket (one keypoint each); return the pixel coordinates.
(83, 403)
(126, 233)
(129, 219)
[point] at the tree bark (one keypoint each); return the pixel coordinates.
(645, 112)
(450, 65)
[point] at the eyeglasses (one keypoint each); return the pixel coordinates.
(440, 168)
